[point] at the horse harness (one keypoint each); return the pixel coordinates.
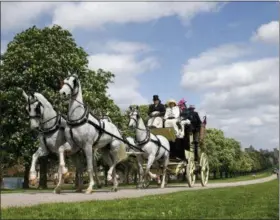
(48, 131)
(101, 127)
(148, 138)
(84, 119)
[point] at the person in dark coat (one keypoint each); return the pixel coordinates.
(195, 127)
(156, 113)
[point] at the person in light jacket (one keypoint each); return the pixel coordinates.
(172, 116)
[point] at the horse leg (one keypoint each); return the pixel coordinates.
(61, 150)
(57, 189)
(165, 164)
(150, 162)
(107, 158)
(112, 170)
(32, 173)
(62, 170)
(79, 169)
(95, 170)
(88, 153)
(140, 170)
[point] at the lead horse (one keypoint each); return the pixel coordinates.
(90, 133)
(154, 147)
(51, 136)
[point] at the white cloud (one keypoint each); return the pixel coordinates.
(255, 121)
(20, 15)
(240, 96)
(127, 47)
(268, 33)
(220, 55)
(126, 67)
(90, 15)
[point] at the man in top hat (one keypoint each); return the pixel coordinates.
(156, 112)
(195, 127)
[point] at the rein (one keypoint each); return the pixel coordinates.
(72, 89)
(148, 136)
(52, 129)
(40, 116)
(84, 119)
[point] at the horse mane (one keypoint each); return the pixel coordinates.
(43, 100)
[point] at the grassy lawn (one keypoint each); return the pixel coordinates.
(258, 201)
(70, 186)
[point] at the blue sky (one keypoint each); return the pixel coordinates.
(221, 57)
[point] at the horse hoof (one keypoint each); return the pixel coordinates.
(65, 175)
(114, 190)
(33, 182)
(57, 191)
(64, 170)
(88, 191)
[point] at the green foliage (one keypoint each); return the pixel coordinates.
(226, 155)
(37, 60)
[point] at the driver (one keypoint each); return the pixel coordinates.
(156, 112)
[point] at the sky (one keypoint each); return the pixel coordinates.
(221, 57)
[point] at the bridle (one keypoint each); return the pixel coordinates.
(39, 115)
(136, 120)
(76, 84)
(37, 109)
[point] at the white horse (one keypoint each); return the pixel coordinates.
(89, 132)
(51, 127)
(155, 147)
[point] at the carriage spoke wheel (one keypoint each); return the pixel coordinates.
(190, 172)
(204, 169)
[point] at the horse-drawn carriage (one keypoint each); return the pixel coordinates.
(84, 131)
(182, 158)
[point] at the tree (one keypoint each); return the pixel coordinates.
(37, 60)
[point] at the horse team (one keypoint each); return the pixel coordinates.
(82, 131)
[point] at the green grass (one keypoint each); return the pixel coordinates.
(259, 201)
(70, 186)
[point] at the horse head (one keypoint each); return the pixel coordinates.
(34, 109)
(70, 86)
(134, 116)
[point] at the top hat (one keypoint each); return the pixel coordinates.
(155, 98)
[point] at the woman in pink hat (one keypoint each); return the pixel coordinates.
(182, 104)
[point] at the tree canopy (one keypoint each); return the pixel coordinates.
(36, 60)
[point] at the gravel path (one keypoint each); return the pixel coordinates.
(30, 199)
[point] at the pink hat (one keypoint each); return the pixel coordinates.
(181, 102)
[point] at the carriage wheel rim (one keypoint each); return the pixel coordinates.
(190, 173)
(204, 170)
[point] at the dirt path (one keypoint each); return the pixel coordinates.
(29, 199)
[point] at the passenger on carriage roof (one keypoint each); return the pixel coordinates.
(184, 110)
(195, 124)
(172, 116)
(156, 112)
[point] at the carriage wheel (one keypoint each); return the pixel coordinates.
(190, 172)
(204, 169)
